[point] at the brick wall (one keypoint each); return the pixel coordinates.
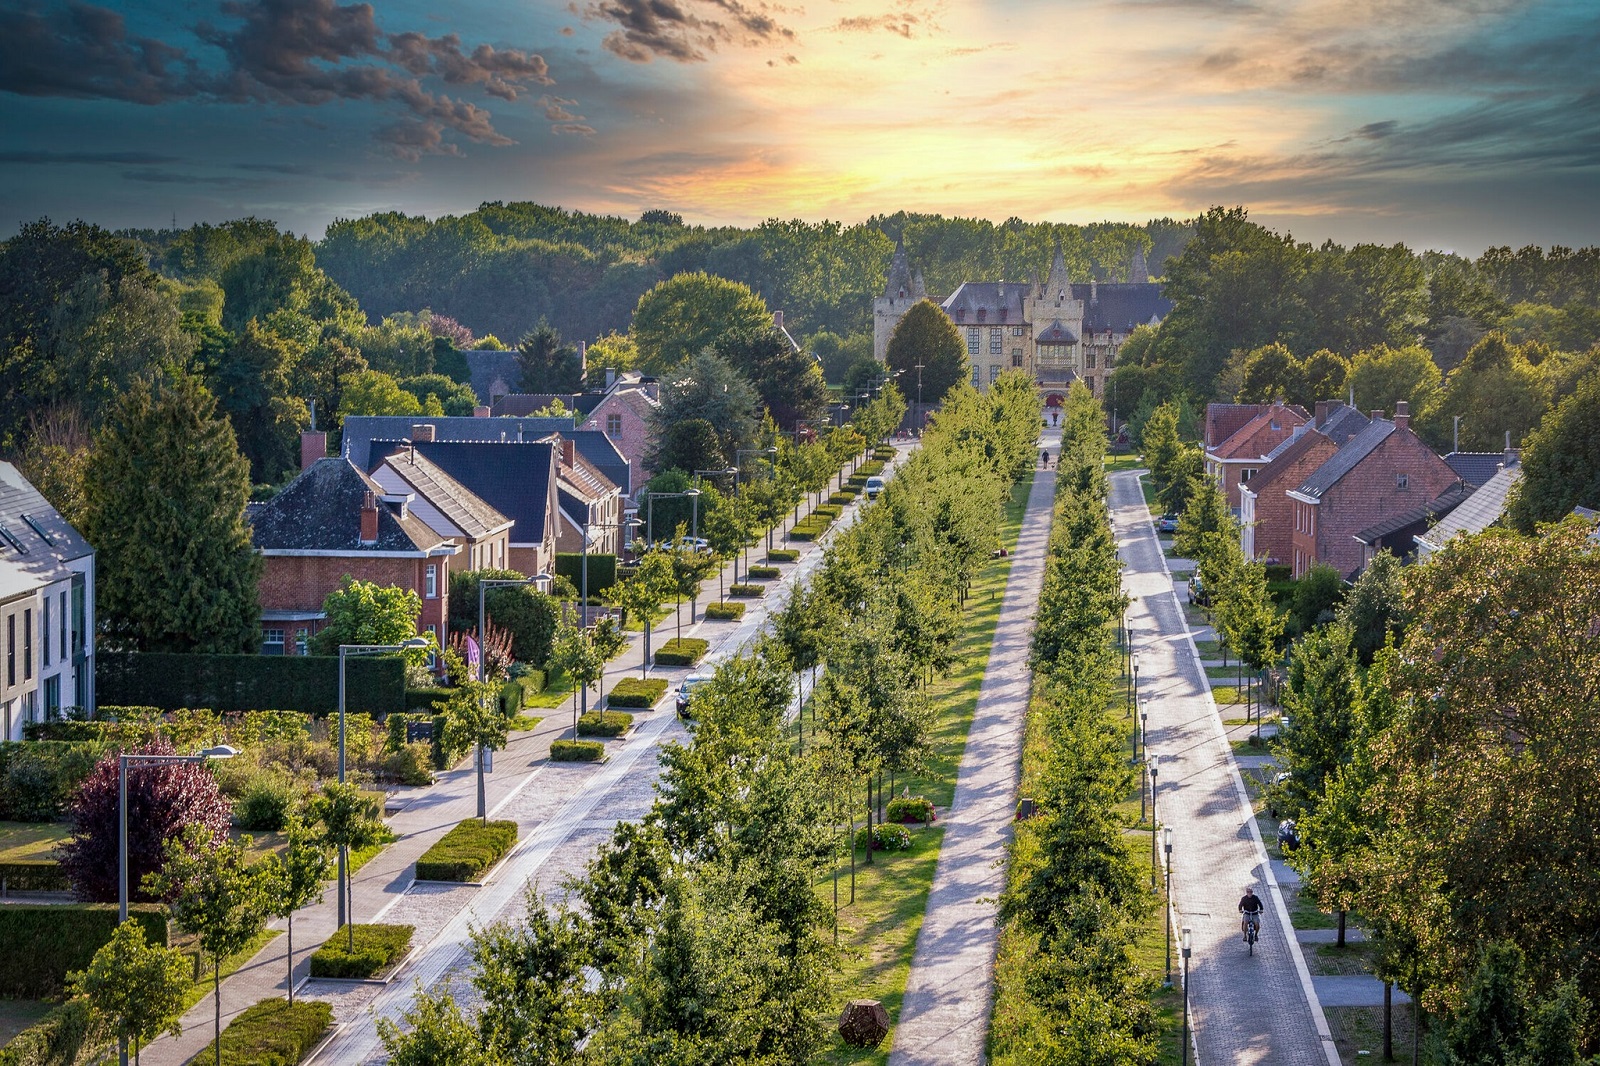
(1371, 493)
(301, 583)
(632, 439)
(1274, 533)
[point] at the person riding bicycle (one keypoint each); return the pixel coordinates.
(1250, 906)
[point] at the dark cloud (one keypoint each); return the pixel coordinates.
(297, 169)
(1376, 131)
(120, 158)
(298, 52)
(682, 30)
(169, 177)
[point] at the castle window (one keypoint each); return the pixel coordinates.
(1090, 357)
(974, 339)
(994, 371)
(1016, 331)
(1016, 357)
(996, 341)
(975, 378)
(983, 314)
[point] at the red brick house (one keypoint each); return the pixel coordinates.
(1244, 452)
(1266, 517)
(449, 508)
(624, 416)
(333, 522)
(1383, 470)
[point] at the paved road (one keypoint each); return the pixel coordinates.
(944, 1018)
(1245, 1010)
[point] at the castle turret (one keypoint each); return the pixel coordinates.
(899, 285)
(1058, 286)
(1138, 272)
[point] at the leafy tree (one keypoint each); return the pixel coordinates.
(534, 982)
(789, 380)
(452, 397)
(1382, 375)
(255, 387)
(473, 722)
(363, 612)
(709, 389)
(838, 354)
(164, 495)
(547, 364)
(575, 655)
(1317, 596)
(372, 392)
(1185, 468)
(1272, 372)
(1494, 390)
(282, 276)
(1561, 461)
(135, 988)
(162, 800)
(1163, 451)
(1375, 607)
(1205, 517)
(1321, 703)
(214, 893)
(523, 611)
(294, 878)
(640, 595)
(692, 444)
(1325, 373)
(690, 312)
(347, 822)
(439, 1033)
(926, 336)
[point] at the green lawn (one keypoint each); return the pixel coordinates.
(524, 723)
(1116, 463)
(203, 987)
(20, 841)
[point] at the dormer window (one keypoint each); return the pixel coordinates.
(983, 314)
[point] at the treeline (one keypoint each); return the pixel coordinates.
(1068, 988)
(701, 935)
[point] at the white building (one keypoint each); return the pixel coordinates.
(46, 609)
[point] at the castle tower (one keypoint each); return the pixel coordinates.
(899, 293)
(1138, 272)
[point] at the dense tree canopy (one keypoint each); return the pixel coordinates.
(926, 336)
(690, 312)
(1561, 462)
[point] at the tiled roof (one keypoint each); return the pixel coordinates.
(36, 543)
(512, 477)
(1120, 306)
(1476, 468)
(1245, 442)
(459, 505)
(321, 511)
(999, 301)
(1283, 457)
(1446, 502)
(1479, 512)
(1223, 420)
(1342, 423)
(1346, 458)
(361, 430)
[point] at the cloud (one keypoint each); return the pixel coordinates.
(683, 30)
(297, 52)
(121, 158)
(905, 19)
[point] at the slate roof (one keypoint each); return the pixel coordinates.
(36, 543)
(492, 374)
(321, 511)
(1282, 458)
(360, 431)
(459, 506)
(1343, 423)
(1479, 512)
(524, 404)
(1054, 334)
(512, 477)
(1347, 458)
(1120, 306)
(1476, 468)
(1001, 302)
(1444, 504)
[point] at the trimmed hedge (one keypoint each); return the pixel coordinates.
(577, 751)
(58, 1038)
(32, 875)
(45, 942)
(427, 700)
(273, 1032)
(827, 510)
(637, 692)
(886, 836)
(68, 729)
(842, 497)
(745, 592)
(911, 809)
(39, 777)
(467, 851)
(602, 570)
(604, 723)
(763, 573)
(310, 683)
(884, 451)
(682, 651)
(720, 611)
(377, 947)
(783, 555)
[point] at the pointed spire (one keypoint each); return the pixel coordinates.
(1058, 286)
(899, 283)
(919, 289)
(1138, 271)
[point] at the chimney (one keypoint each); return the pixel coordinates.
(480, 411)
(1377, 413)
(569, 452)
(1402, 414)
(611, 377)
(1511, 457)
(1322, 414)
(583, 359)
(422, 434)
(777, 320)
(369, 519)
(313, 446)
(651, 387)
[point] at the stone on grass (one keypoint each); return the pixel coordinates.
(864, 1023)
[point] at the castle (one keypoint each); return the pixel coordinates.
(1060, 331)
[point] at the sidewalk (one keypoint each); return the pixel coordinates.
(944, 1017)
(1243, 1009)
(549, 823)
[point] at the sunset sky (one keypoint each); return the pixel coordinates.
(1444, 123)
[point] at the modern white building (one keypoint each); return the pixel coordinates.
(46, 610)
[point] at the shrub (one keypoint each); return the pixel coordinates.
(59, 1037)
(604, 723)
(682, 651)
(533, 679)
(783, 555)
(883, 451)
(377, 947)
(842, 497)
(375, 684)
(66, 729)
(467, 851)
(912, 809)
(411, 765)
(746, 591)
(266, 801)
(722, 611)
(427, 700)
(802, 532)
(577, 751)
(32, 875)
(886, 836)
(637, 692)
(602, 570)
(512, 697)
(274, 1032)
(763, 573)
(829, 511)
(45, 942)
(38, 777)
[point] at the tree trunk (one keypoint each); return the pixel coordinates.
(869, 818)
(852, 846)
(644, 665)
(1388, 1021)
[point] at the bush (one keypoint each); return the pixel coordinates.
(746, 591)
(513, 696)
(427, 700)
(33, 875)
(842, 497)
(604, 723)
(411, 765)
(310, 683)
(883, 451)
(533, 679)
(467, 851)
(45, 942)
(577, 751)
(266, 801)
(377, 947)
(38, 777)
(829, 511)
(763, 573)
(682, 651)
(637, 692)
(783, 555)
(602, 570)
(274, 1032)
(886, 836)
(67, 729)
(722, 611)
(60, 1037)
(912, 809)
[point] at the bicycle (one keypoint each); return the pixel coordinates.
(1252, 929)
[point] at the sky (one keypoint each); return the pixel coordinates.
(1449, 124)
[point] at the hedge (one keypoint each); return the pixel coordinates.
(783, 555)
(829, 511)
(721, 611)
(602, 571)
(884, 451)
(38, 777)
(45, 942)
(32, 875)
(377, 947)
(910, 809)
(57, 1039)
(745, 592)
(467, 851)
(577, 751)
(637, 692)
(604, 723)
(72, 730)
(375, 685)
(273, 1032)
(682, 651)
(427, 700)
(842, 497)
(762, 573)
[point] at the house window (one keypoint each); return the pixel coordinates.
(1249, 472)
(1090, 357)
(11, 651)
(273, 642)
(1016, 331)
(52, 696)
(44, 634)
(27, 644)
(975, 377)
(994, 371)
(302, 637)
(63, 612)
(1400, 481)
(613, 425)
(1090, 382)
(430, 581)
(1016, 357)
(974, 339)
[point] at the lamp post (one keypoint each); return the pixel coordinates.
(1144, 730)
(738, 467)
(483, 585)
(1144, 768)
(693, 496)
(221, 751)
(922, 416)
(1188, 946)
(1166, 836)
(360, 649)
(1153, 770)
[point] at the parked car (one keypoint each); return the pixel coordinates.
(874, 486)
(686, 692)
(1167, 523)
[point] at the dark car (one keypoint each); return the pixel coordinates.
(1167, 523)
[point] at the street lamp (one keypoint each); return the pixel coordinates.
(650, 531)
(1188, 946)
(1166, 836)
(1144, 730)
(922, 416)
(221, 751)
(739, 467)
(1153, 770)
(358, 649)
(484, 584)
(1144, 768)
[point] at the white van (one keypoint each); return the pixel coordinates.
(874, 486)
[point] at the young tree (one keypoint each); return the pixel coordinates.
(134, 987)
(1321, 702)
(1375, 608)
(294, 879)
(164, 482)
(548, 364)
(163, 799)
(1317, 596)
(347, 822)
(1207, 516)
(1163, 450)
(574, 654)
(926, 336)
(439, 1033)
(641, 595)
(473, 720)
(364, 612)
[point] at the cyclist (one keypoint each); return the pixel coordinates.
(1250, 906)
